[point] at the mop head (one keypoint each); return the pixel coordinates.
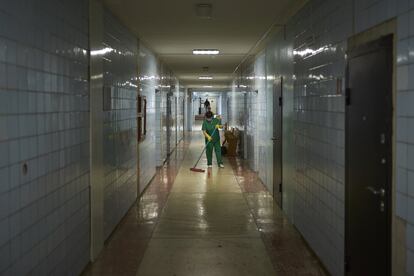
(197, 170)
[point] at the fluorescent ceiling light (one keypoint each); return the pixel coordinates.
(204, 10)
(102, 52)
(208, 86)
(206, 52)
(205, 78)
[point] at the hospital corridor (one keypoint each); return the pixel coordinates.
(206, 137)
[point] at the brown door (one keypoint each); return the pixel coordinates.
(277, 140)
(369, 158)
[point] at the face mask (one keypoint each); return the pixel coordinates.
(209, 119)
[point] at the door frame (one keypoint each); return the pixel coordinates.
(278, 85)
(361, 39)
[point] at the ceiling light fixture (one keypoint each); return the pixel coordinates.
(208, 86)
(206, 52)
(204, 11)
(205, 78)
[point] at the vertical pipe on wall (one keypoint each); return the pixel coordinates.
(96, 128)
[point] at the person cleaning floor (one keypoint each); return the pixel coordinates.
(210, 130)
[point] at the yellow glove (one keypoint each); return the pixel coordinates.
(209, 138)
(219, 126)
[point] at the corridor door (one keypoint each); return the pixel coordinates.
(369, 158)
(277, 140)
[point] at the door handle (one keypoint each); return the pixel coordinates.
(273, 139)
(380, 192)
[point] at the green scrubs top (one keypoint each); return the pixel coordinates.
(209, 128)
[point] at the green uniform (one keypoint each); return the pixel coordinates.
(209, 127)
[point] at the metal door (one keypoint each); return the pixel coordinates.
(369, 158)
(277, 139)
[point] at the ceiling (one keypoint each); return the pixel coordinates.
(172, 30)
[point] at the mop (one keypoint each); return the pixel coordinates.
(194, 169)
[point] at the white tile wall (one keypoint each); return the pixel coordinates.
(44, 123)
(264, 131)
(318, 130)
(405, 126)
(120, 125)
(223, 107)
(236, 107)
(160, 142)
(163, 134)
(251, 113)
(164, 81)
(279, 55)
(150, 78)
(180, 112)
(237, 113)
(153, 74)
(314, 117)
(243, 104)
(173, 118)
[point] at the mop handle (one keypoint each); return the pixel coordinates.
(201, 155)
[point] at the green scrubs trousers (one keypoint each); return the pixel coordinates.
(210, 128)
(209, 152)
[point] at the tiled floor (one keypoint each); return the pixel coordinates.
(222, 222)
(288, 252)
(126, 247)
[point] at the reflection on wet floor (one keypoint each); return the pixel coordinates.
(221, 222)
(288, 252)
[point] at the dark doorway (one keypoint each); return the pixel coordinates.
(277, 140)
(368, 151)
